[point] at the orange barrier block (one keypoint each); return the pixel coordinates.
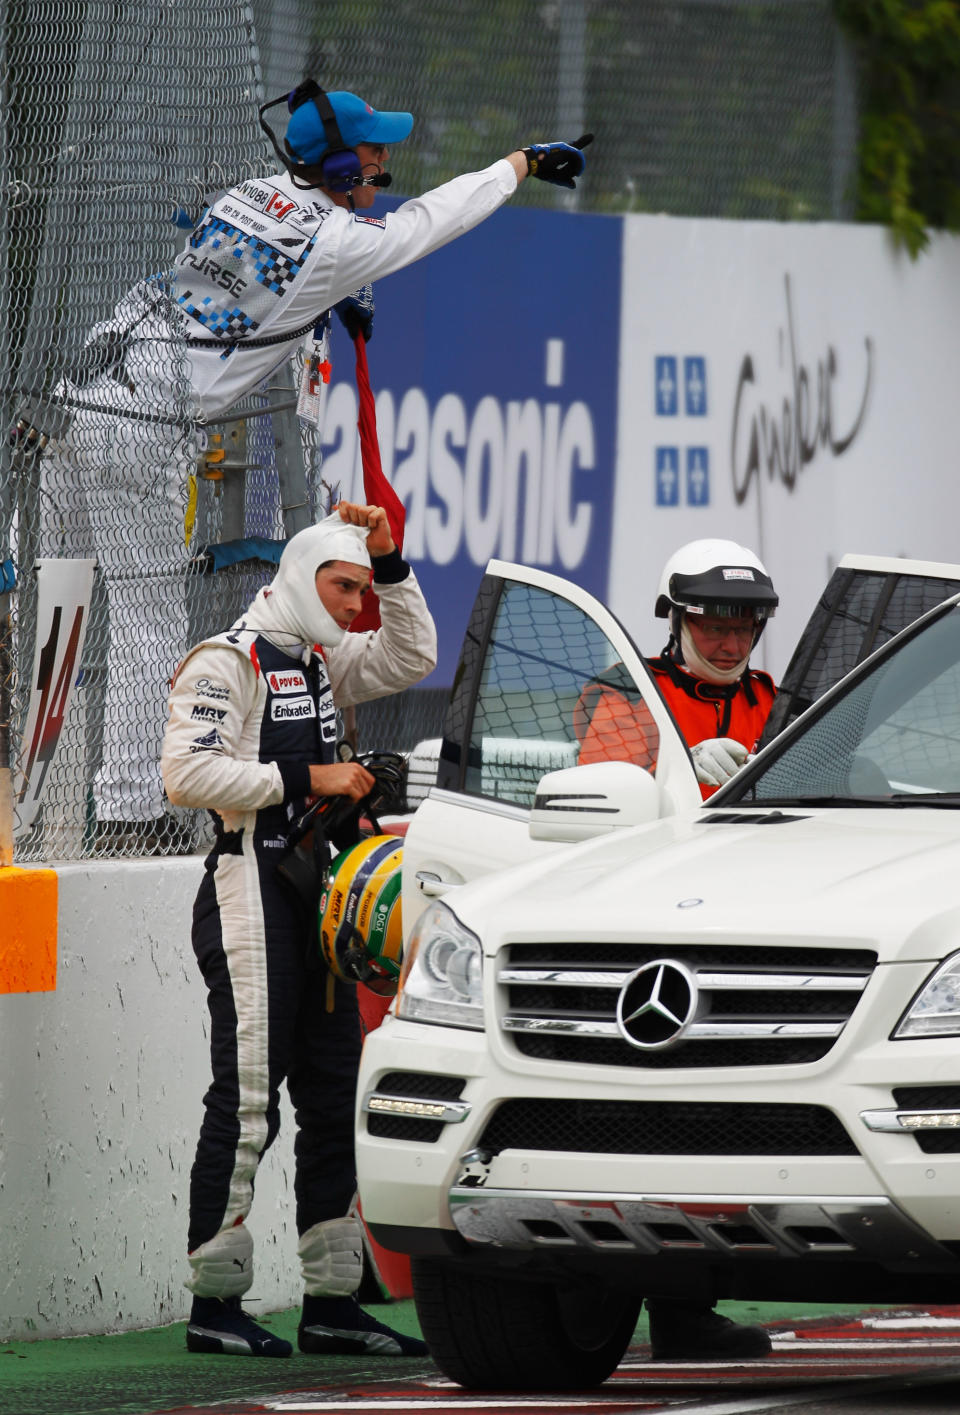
(28, 930)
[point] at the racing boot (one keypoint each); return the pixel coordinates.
(338, 1326)
(219, 1326)
(693, 1331)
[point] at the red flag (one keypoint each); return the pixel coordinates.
(376, 488)
(378, 492)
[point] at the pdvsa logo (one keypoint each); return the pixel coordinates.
(292, 682)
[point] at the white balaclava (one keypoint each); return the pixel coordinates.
(697, 664)
(288, 611)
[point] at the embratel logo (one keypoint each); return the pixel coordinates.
(294, 710)
(292, 682)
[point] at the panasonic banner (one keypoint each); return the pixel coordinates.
(586, 393)
(494, 363)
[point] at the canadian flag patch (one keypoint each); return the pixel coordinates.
(280, 206)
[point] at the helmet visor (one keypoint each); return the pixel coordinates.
(726, 590)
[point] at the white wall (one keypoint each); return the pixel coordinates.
(786, 295)
(101, 1084)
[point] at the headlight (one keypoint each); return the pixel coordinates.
(442, 977)
(935, 1011)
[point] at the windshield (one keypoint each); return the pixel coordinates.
(892, 738)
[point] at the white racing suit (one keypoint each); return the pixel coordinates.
(265, 261)
(267, 258)
(246, 719)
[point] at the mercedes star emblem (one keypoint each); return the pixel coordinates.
(656, 1004)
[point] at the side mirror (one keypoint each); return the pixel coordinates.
(581, 802)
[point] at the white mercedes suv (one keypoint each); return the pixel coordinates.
(674, 1048)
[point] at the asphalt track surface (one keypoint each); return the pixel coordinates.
(831, 1361)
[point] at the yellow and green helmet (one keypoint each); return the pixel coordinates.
(360, 925)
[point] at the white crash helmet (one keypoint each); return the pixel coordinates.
(715, 577)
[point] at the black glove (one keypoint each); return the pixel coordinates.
(356, 312)
(557, 162)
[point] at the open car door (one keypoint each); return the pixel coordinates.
(539, 657)
(869, 599)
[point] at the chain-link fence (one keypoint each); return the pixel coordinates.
(733, 108)
(122, 118)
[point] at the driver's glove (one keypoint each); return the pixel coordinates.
(717, 759)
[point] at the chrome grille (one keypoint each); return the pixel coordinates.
(755, 1006)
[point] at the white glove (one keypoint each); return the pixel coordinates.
(717, 759)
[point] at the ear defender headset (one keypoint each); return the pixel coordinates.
(339, 168)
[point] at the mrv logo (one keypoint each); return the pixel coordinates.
(506, 478)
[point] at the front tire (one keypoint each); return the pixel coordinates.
(502, 1333)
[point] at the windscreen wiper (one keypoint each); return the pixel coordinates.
(945, 800)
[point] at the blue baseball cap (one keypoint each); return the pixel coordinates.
(357, 121)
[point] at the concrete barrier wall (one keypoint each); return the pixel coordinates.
(101, 1086)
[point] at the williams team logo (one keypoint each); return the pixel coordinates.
(213, 742)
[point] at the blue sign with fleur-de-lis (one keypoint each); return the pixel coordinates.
(665, 385)
(667, 477)
(695, 386)
(698, 476)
